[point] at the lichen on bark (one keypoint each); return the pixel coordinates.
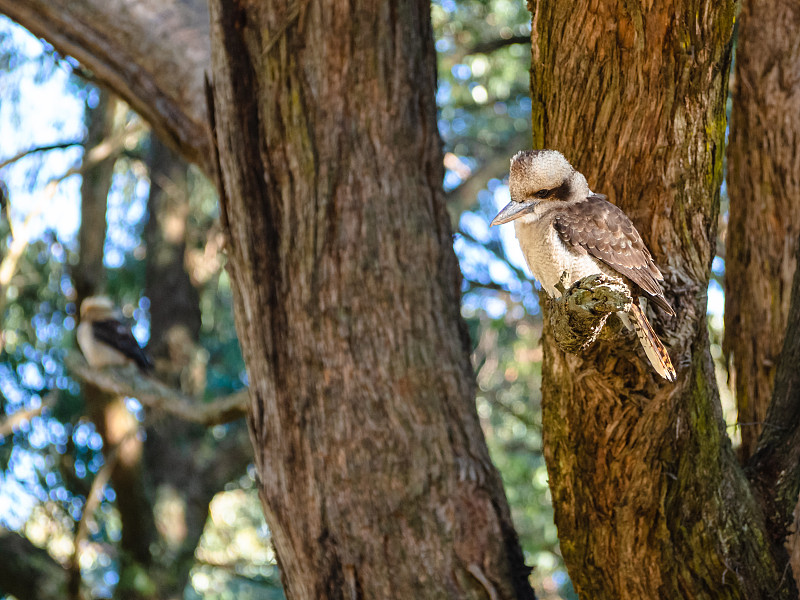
(579, 315)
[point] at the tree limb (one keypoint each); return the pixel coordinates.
(12, 422)
(152, 53)
(92, 503)
(108, 148)
(489, 46)
(46, 148)
(461, 197)
(129, 381)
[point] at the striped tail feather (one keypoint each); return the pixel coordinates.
(653, 348)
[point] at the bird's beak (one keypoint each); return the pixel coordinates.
(513, 210)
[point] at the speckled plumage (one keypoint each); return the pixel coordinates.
(567, 231)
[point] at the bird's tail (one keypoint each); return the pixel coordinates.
(653, 348)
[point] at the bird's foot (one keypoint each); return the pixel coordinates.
(579, 315)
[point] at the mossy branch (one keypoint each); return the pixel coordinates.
(578, 316)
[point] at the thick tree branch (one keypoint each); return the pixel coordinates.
(152, 53)
(129, 381)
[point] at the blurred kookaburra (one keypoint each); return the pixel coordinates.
(567, 231)
(104, 339)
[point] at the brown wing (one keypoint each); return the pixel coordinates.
(119, 336)
(598, 227)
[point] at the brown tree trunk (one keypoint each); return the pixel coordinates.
(174, 301)
(649, 499)
(764, 191)
(373, 471)
(180, 456)
(90, 274)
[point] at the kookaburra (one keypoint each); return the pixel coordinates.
(567, 232)
(104, 339)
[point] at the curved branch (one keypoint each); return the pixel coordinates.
(129, 381)
(93, 500)
(152, 53)
(12, 422)
(489, 46)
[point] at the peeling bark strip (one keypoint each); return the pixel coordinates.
(373, 471)
(649, 499)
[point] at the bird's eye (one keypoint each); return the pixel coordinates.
(542, 193)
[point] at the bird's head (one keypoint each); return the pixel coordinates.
(537, 177)
(96, 307)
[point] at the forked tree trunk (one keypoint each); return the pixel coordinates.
(764, 190)
(373, 471)
(649, 499)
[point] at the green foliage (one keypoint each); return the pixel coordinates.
(483, 81)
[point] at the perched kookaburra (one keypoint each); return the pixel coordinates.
(564, 229)
(104, 339)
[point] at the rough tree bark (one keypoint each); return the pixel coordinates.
(374, 475)
(649, 498)
(764, 191)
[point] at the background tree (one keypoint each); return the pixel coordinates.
(138, 535)
(763, 185)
